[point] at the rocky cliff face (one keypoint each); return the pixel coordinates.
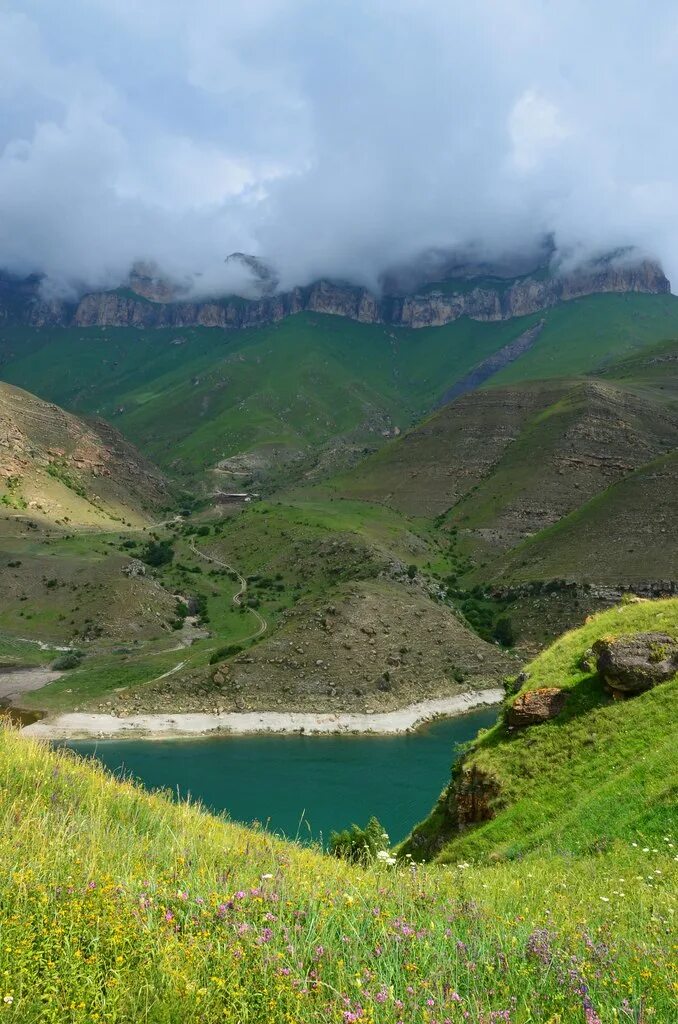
(133, 307)
(527, 295)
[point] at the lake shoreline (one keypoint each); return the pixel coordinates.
(81, 725)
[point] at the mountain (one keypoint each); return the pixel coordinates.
(57, 467)
(504, 464)
(143, 303)
(296, 400)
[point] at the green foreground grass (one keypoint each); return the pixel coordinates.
(121, 906)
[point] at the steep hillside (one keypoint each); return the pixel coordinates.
(504, 467)
(127, 906)
(308, 388)
(369, 646)
(592, 436)
(625, 535)
(599, 770)
(56, 466)
(61, 589)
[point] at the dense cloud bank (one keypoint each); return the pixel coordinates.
(335, 139)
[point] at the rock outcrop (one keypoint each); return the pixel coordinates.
(632, 664)
(473, 796)
(145, 303)
(536, 706)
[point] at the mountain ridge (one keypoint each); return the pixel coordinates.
(486, 300)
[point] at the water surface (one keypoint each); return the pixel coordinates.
(303, 786)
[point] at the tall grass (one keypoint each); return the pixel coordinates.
(121, 906)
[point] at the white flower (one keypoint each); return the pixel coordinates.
(463, 864)
(605, 899)
(8, 999)
(385, 857)
(266, 876)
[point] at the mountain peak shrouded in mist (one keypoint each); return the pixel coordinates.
(337, 142)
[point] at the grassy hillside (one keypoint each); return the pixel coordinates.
(120, 906)
(310, 388)
(196, 396)
(602, 771)
(581, 336)
(344, 591)
(626, 534)
(546, 479)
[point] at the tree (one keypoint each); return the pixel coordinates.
(503, 631)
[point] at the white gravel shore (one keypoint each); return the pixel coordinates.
(77, 725)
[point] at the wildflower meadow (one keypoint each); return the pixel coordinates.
(120, 906)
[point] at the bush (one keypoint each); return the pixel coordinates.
(504, 632)
(225, 652)
(359, 845)
(411, 571)
(157, 552)
(71, 659)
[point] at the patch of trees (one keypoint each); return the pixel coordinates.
(157, 552)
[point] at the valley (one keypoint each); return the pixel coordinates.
(338, 513)
(322, 533)
(306, 576)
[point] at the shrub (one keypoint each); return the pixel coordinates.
(71, 659)
(359, 845)
(504, 632)
(157, 552)
(225, 652)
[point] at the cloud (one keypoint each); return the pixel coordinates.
(335, 139)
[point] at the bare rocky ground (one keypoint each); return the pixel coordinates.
(14, 682)
(373, 646)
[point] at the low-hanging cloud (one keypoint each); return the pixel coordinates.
(334, 139)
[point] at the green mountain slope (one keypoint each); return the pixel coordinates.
(581, 336)
(193, 397)
(311, 387)
(532, 467)
(600, 771)
(625, 535)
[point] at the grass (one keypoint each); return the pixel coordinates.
(297, 383)
(637, 512)
(601, 772)
(121, 906)
(582, 336)
(70, 588)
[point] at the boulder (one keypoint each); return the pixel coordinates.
(632, 664)
(537, 706)
(134, 568)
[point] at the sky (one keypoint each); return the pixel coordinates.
(334, 139)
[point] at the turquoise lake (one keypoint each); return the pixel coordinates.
(303, 786)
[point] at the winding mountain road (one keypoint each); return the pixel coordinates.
(237, 598)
